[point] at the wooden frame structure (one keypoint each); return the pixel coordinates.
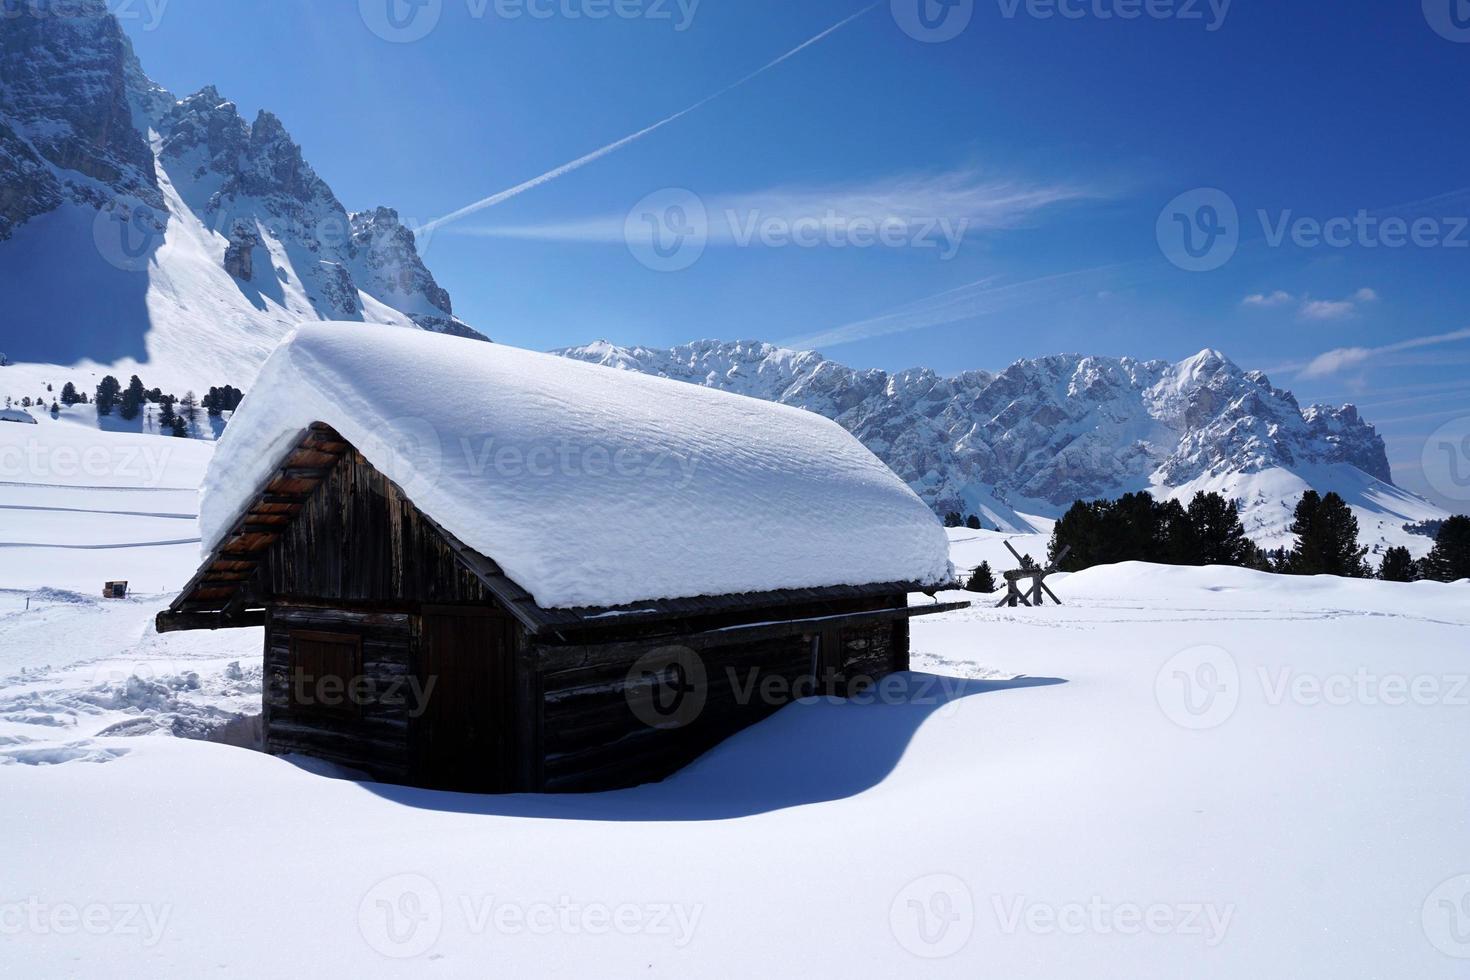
(462, 681)
(1032, 594)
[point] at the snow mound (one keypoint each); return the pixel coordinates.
(589, 486)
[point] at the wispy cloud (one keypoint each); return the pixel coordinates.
(1313, 309)
(1342, 358)
(1278, 298)
(1337, 309)
(613, 147)
(962, 201)
(1328, 309)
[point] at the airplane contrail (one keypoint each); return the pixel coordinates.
(595, 155)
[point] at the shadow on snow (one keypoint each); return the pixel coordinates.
(813, 751)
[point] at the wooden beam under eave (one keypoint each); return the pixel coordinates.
(180, 622)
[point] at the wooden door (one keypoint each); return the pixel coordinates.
(465, 738)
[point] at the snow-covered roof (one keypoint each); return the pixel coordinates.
(589, 486)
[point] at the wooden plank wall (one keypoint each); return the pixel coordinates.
(376, 738)
(359, 540)
(591, 739)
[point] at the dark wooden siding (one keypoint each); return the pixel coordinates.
(592, 738)
(467, 738)
(358, 539)
(359, 558)
(374, 737)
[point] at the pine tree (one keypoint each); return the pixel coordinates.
(132, 399)
(1219, 537)
(107, 392)
(1253, 556)
(1176, 539)
(981, 579)
(973, 523)
(1450, 559)
(1398, 566)
(953, 519)
(69, 394)
(1080, 529)
(1327, 538)
(189, 408)
(180, 427)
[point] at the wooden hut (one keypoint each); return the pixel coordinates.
(402, 641)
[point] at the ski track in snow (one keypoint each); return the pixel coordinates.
(114, 513)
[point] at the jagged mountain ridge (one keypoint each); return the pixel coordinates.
(1043, 433)
(201, 236)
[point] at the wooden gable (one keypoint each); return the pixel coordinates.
(328, 527)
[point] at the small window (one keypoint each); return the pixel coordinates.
(326, 673)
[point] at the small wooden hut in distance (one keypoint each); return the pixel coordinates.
(485, 569)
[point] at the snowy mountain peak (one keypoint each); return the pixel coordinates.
(117, 196)
(1048, 431)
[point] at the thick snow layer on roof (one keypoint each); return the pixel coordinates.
(589, 486)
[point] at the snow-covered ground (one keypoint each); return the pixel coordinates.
(80, 506)
(1182, 772)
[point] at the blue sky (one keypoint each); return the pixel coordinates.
(1038, 175)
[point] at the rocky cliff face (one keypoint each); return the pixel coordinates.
(1043, 432)
(81, 125)
(66, 125)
